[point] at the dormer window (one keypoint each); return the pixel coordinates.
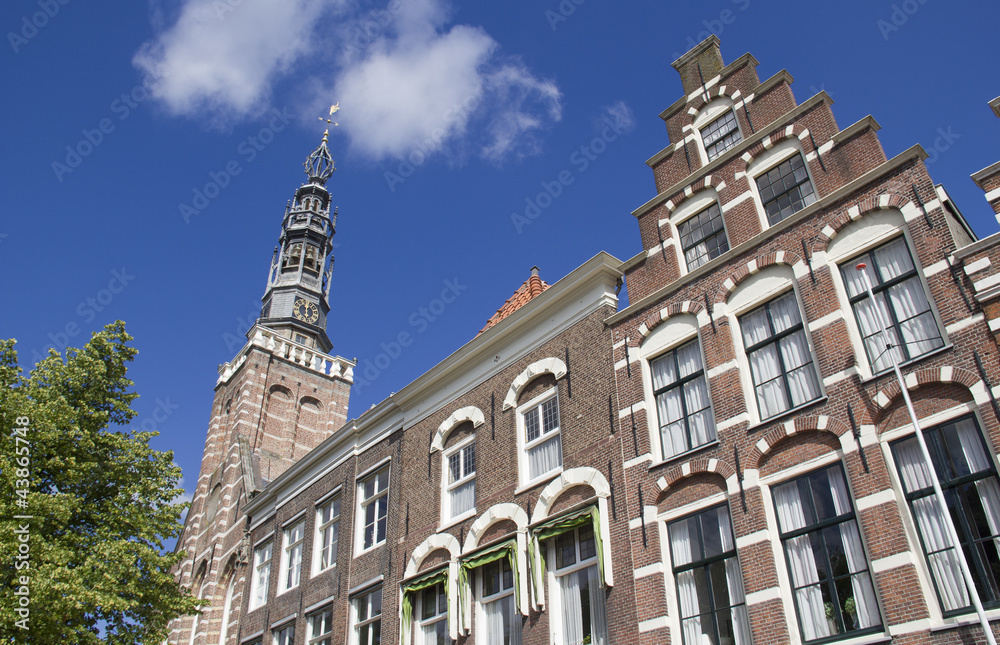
(703, 237)
(721, 135)
(785, 189)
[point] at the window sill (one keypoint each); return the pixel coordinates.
(322, 571)
(284, 591)
(963, 619)
(444, 524)
(780, 418)
(369, 549)
(865, 639)
(674, 459)
(547, 477)
(888, 372)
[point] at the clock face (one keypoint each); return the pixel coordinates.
(305, 311)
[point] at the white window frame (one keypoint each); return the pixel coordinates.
(680, 241)
(292, 550)
(708, 115)
(319, 545)
(287, 630)
(482, 599)
(260, 565)
(524, 445)
(447, 514)
(362, 505)
(709, 122)
(764, 162)
(653, 412)
(766, 285)
(419, 622)
(554, 573)
(357, 625)
(312, 638)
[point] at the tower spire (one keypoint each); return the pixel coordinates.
(296, 300)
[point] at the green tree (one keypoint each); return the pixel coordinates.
(101, 502)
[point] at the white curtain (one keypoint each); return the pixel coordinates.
(687, 587)
(734, 581)
(861, 583)
(908, 302)
(598, 612)
(931, 522)
(569, 592)
(671, 415)
(463, 497)
(503, 623)
(544, 457)
(791, 516)
(802, 383)
(978, 461)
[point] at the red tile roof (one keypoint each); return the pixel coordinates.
(531, 288)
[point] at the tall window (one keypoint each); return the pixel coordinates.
(327, 531)
(285, 635)
(721, 135)
(540, 425)
(432, 624)
(579, 593)
(785, 189)
(969, 481)
(501, 624)
(709, 583)
(261, 575)
(831, 584)
(781, 364)
(293, 255)
(227, 608)
(682, 404)
(460, 480)
(903, 306)
(320, 627)
(291, 556)
(374, 507)
(703, 237)
(367, 614)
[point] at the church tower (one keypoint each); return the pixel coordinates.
(277, 399)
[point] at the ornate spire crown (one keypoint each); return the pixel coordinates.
(319, 164)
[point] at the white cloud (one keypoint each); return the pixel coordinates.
(619, 114)
(406, 81)
(221, 57)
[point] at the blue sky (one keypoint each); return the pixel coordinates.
(453, 118)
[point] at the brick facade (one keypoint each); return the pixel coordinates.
(278, 420)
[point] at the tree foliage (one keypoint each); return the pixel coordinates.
(101, 502)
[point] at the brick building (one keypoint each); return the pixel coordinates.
(726, 460)
(784, 498)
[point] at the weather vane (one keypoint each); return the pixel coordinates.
(333, 109)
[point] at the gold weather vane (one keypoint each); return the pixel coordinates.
(333, 109)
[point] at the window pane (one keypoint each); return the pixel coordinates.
(703, 237)
(785, 189)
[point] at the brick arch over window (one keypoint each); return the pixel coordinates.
(551, 365)
(773, 437)
(434, 542)
(690, 488)
(681, 196)
(884, 398)
(458, 417)
(677, 474)
(696, 104)
(752, 267)
(656, 318)
(795, 131)
(494, 514)
(583, 475)
(857, 211)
